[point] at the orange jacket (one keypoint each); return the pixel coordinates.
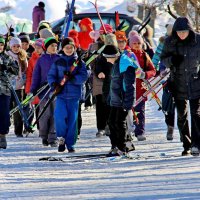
(31, 64)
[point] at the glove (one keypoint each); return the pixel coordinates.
(3, 67)
(69, 75)
(139, 73)
(176, 60)
(56, 87)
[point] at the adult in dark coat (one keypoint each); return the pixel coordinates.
(181, 53)
(38, 15)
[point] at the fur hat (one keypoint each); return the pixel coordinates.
(14, 41)
(46, 33)
(108, 28)
(110, 51)
(74, 34)
(39, 42)
(49, 41)
(110, 39)
(121, 35)
(24, 37)
(67, 41)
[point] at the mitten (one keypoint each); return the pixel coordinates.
(139, 73)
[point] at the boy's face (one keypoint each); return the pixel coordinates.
(25, 45)
(1, 47)
(121, 44)
(68, 49)
(38, 50)
(15, 48)
(52, 48)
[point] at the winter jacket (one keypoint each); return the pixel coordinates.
(29, 73)
(37, 16)
(21, 59)
(97, 83)
(122, 85)
(11, 68)
(40, 72)
(73, 87)
(147, 66)
(185, 78)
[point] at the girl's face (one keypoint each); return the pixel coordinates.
(68, 49)
(1, 47)
(25, 45)
(121, 44)
(182, 34)
(38, 50)
(52, 48)
(136, 45)
(15, 48)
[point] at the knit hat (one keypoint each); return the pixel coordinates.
(14, 41)
(74, 34)
(67, 41)
(121, 35)
(110, 51)
(41, 4)
(86, 22)
(135, 39)
(46, 33)
(40, 42)
(108, 28)
(43, 25)
(49, 41)
(2, 40)
(24, 37)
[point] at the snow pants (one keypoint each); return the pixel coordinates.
(66, 114)
(4, 114)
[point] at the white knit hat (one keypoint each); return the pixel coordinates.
(15, 40)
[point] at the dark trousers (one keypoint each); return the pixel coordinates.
(117, 126)
(102, 112)
(140, 127)
(4, 114)
(18, 122)
(183, 124)
(169, 119)
(88, 100)
(79, 119)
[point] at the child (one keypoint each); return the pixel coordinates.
(67, 102)
(46, 122)
(136, 43)
(39, 49)
(6, 64)
(20, 56)
(121, 100)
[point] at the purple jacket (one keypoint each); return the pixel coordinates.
(37, 16)
(40, 72)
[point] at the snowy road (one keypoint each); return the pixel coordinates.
(22, 176)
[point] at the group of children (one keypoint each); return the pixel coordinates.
(118, 73)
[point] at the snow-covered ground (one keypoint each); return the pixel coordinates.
(24, 177)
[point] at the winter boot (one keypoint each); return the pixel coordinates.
(107, 130)
(195, 151)
(113, 152)
(186, 152)
(3, 142)
(170, 133)
(61, 145)
(141, 137)
(45, 142)
(100, 133)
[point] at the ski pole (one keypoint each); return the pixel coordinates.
(23, 115)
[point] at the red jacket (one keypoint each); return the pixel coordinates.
(31, 64)
(148, 68)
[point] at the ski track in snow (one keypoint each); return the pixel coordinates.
(22, 176)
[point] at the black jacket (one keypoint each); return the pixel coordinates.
(185, 78)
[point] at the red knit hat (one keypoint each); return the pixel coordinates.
(74, 34)
(87, 22)
(108, 28)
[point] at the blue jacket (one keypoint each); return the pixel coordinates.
(122, 84)
(73, 87)
(41, 70)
